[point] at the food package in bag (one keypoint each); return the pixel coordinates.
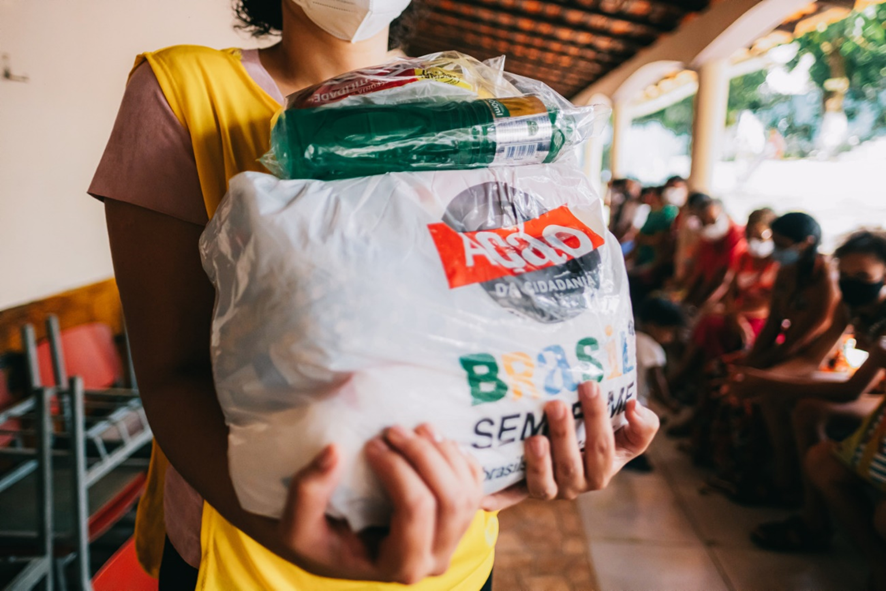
(444, 111)
(463, 298)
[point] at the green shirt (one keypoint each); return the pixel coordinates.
(658, 221)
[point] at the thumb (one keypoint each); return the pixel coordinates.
(642, 426)
(505, 498)
(309, 494)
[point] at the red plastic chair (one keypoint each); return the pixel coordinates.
(89, 352)
(123, 571)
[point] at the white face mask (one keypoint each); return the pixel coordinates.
(676, 195)
(760, 248)
(353, 20)
(717, 230)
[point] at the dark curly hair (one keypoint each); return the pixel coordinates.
(864, 242)
(661, 311)
(265, 17)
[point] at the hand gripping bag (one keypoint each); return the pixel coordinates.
(463, 298)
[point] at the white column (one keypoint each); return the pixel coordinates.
(621, 123)
(592, 160)
(593, 152)
(709, 122)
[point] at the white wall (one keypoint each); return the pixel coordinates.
(53, 128)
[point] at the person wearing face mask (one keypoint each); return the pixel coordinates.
(676, 191)
(191, 118)
(721, 241)
(688, 227)
(803, 298)
(795, 339)
(803, 408)
(739, 311)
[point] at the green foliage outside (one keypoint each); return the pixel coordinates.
(676, 117)
(853, 49)
(849, 74)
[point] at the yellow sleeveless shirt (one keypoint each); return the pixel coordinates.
(228, 117)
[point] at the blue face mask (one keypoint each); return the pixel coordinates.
(786, 256)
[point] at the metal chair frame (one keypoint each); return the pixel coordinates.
(39, 569)
(120, 409)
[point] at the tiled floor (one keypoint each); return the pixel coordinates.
(661, 532)
(542, 547)
(657, 532)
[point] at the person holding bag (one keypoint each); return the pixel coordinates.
(192, 118)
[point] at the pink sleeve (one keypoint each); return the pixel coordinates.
(149, 160)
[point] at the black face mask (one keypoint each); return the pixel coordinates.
(858, 293)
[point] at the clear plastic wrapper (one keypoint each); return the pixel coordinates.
(429, 113)
(465, 298)
(438, 77)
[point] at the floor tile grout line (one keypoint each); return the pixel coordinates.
(696, 527)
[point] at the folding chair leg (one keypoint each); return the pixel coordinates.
(29, 343)
(44, 480)
(81, 509)
(54, 334)
(60, 578)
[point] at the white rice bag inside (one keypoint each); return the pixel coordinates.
(466, 299)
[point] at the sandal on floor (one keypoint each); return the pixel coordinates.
(790, 535)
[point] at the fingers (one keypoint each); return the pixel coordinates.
(635, 437)
(304, 517)
(539, 469)
(508, 497)
(424, 454)
(569, 468)
(453, 480)
(405, 556)
(464, 465)
(600, 444)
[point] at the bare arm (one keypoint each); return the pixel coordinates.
(821, 314)
(168, 303)
(711, 291)
(765, 346)
(435, 490)
(751, 382)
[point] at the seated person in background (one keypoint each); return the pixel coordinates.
(659, 320)
(798, 410)
(721, 242)
(687, 228)
(803, 299)
(626, 212)
(676, 191)
(849, 479)
(734, 322)
(651, 262)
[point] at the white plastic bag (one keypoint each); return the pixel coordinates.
(466, 299)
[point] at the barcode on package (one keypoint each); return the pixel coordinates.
(522, 140)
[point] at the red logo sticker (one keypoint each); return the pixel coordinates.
(549, 240)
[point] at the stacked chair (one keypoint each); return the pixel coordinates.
(85, 466)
